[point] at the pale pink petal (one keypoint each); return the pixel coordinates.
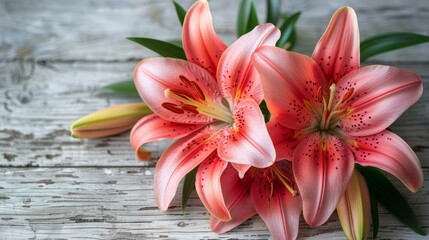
(322, 169)
(354, 208)
(289, 80)
(236, 75)
(153, 76)
(200, 42)
(248, 141)
(276, 206)
(381, 94)
(241, 168)
(153, 128)
(208, 186)
(390, 153)
(180, 158)
(283, 139)
(337, 51)
(237, 199)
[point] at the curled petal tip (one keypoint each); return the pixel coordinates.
(143, 154)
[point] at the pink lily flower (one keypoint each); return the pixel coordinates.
(269, 192)
(210, 102)
(328, 114)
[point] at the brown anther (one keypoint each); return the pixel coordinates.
(182, 93)
(172, 107)
(198, 90)
(185, 80)
(347, 95)
(190, 108)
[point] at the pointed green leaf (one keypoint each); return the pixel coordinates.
(292, 41)
(253, 18)
(273, 11)
(164, 49)
(389, 41)
(265, 111)
(188, 187)
(390, 198)
(125, 87)
(177, 42)
(181, 12)
(244, 14)
(287, 29)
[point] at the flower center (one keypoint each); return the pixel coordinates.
(194, 101)
(327, 115)
(273, 174)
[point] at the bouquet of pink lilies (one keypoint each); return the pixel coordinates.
(262, 130)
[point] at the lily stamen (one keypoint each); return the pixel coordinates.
(287, 183)
(208, 108)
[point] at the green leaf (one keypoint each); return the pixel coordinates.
(287, 29)
(247, 17)
(253, 18)
(125, 87)
(188, 187)
(181, 12)
(390, 198)
(177, 42)
(389, 41)
(292, 41)
(164, 49)
(265, 111)
(273, 11)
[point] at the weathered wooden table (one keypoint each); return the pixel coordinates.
(54, 55)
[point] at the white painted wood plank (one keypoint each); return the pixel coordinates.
(96, 30)
(113, 203)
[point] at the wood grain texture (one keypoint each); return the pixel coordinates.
(55, 55)
(112, 203)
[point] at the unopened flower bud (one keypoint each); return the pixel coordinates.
(109, 121)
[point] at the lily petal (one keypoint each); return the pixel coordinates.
(153, 128)
(283, 139)
(241, 143)
(180, 158)
(337, 51)
(237, 199)
(300, 79)
(200, 42)
(277, 207)
(241, 168)
(390, 153)
(322, 169)
(154, 76)
(354, 208)
(208, 186)
(381, 94)
(236, 74)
